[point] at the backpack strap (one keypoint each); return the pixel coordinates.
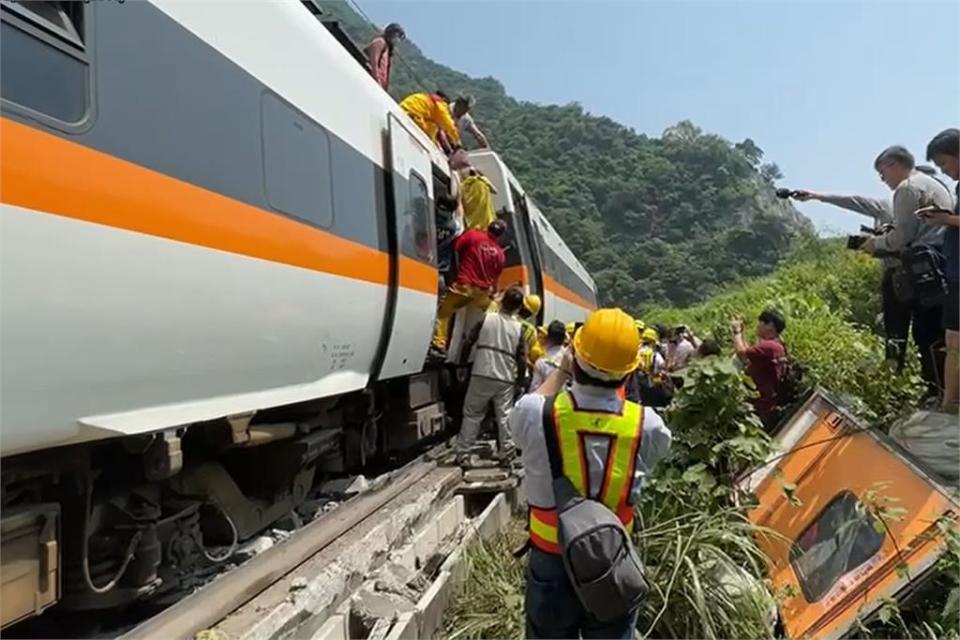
(550, 438)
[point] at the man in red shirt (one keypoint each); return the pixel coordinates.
(380, 53)
(766, 362)
(480, 258)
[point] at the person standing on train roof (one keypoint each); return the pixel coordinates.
(460, 109)
(481, 259)
(608, 448)
(477, 195)
(431, 112)
(380, 53)
(499, 367)
(552, 354)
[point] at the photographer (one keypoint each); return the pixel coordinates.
(911, 191)
(944, 151)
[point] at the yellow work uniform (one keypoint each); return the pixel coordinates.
(456, 297)
(646, 359)
(534, 350)
(619, 434)
(477, 194)
(432, 115)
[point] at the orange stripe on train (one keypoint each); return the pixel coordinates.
(46, 173)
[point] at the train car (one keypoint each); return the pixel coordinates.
(538, 259)
(219, 282)
(218, 273)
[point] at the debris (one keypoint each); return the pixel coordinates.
(256, 546)
(345, 487)
(280, 534)
(380, 629)
(298, 583)
(485, 475)
(368, 606)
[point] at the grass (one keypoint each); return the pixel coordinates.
(489, 603)
(702, 567)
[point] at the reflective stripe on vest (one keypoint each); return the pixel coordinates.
(623, 432)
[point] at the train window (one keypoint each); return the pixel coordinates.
(44, 66)
(419, 231)
(296, 163)
(844, 536)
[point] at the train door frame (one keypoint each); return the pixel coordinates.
(531, 246)
(399, 355)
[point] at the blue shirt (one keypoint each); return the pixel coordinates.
(951, 244)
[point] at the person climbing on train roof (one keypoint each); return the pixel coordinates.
(477, 196)
(431, 112)
(766, 362)
(499, 368)
(480, 260)
(460, 109)
(552, 354)
(380, 53)
(600, 435)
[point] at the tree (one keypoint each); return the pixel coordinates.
(770, 172)
(655, 220)
(750, 150)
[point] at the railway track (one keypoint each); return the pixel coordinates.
(230, 591)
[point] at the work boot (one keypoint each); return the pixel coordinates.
(436, 354)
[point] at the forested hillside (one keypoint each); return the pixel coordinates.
(657, 221)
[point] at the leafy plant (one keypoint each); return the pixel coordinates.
(489, 602)
(828, 296)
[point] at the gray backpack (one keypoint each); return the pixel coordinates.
(599, 558)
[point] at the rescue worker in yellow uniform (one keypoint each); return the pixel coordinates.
(431, 112)
(528, 315)
(477, 196)
(608, 447)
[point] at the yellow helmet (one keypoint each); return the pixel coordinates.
(640, 324)
(608, 342)
(650, 335)
(531, 302)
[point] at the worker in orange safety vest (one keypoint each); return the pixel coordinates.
(608, 448)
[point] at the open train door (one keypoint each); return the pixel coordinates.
(855, 520)
(412, 235)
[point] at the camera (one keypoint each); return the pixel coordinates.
(784, 193)
(855, 242)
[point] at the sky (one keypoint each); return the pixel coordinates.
(822, 87)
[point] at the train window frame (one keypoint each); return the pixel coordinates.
(75, 42)
(68, 31)
(867, 524)
(276, 201)
(414, 178)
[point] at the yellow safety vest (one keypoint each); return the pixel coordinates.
(534, 350)
(624, 431)
(646, 359)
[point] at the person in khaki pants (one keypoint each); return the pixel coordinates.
(498, 363)
(481, 260)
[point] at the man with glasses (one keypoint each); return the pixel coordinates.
(912, 190)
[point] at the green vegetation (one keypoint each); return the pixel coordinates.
(657, 221)
(829, 296)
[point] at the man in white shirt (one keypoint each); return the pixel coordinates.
(460, 109)
(609, 447)
(553, 353)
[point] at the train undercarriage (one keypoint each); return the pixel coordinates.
(142, 521)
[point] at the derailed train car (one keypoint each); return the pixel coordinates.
(219, 280)
(855, 519)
